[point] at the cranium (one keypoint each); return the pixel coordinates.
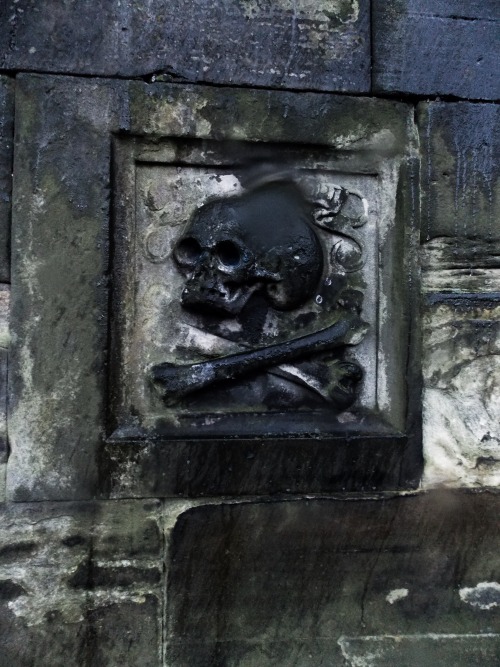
(260, 241)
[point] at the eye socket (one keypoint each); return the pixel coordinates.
(228, 253)
(187, 252)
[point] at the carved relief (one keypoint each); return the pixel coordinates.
(268, 270)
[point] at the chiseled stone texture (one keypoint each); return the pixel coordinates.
(6, 150)
(437, 47)
(461, 405)
(314, 44)
(291, 584)
(81, 584)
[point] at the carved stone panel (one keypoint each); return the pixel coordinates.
(248, 292)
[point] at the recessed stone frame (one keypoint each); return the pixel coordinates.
(102, 147)
(159, 183)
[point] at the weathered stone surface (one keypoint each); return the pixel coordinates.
(288, 583)
(461, 265)
(460, 145)
(4, 345)
(59, 296)
(437, 47)
(422, 650)
(6, 151)
(461, 366)
(111, 617)
(115, 633)
(377, 128)
(247, 466)
(296, 44)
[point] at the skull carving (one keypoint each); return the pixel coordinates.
(261, 241)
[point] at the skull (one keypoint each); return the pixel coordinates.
(260, 241)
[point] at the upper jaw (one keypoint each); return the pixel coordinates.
(215, 300)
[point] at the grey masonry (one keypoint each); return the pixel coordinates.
(135, 533)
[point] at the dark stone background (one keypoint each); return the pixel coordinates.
(280, 582)
(293, 581)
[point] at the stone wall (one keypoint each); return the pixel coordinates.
(170, 557)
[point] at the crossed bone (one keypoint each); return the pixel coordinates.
(175, 380)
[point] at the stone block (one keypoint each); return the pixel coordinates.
(59, 296)
(461, 174)
(436, 47)
(67, 597)
(6, 151)
(321, 45)
(461, 367)
(286, 583)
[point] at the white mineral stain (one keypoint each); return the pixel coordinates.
(396, 595)
(485, 595)
(460, 427)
